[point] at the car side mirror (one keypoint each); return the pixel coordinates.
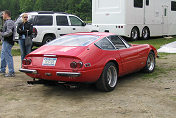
(83, 24)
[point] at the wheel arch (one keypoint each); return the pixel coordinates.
(137, 28)
(116, 64)
(50, 34)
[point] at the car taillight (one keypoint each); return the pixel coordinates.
(34, 30)
(26, 61)
(79, 64)
(76, 64)
(34, 33)
(73, 64)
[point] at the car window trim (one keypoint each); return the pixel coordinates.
(126, 44)
(111, 43)
(105, 49)
(123, 41)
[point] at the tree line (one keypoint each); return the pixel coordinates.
(81, 8)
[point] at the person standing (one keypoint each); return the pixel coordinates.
(7, 34)
(24, 29)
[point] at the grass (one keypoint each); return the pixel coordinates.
(173, 98)
(156, 42)
(16, 52)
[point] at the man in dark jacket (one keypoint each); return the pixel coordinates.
(7, 36)
(24, 30)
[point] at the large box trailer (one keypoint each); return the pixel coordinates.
(135, 18)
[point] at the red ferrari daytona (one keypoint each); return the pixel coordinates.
(89, 57)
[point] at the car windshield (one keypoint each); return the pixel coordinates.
(74, 40)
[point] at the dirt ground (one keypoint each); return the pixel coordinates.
(134, 97)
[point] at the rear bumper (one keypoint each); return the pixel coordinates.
(68, 74)
(64, 74)
(28, 71)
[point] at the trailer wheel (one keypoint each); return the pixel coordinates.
(145, 33)
(134, 34)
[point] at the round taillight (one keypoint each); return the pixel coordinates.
(73, 64)
(26, 61)
(79, 64)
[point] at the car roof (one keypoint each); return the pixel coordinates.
(46, 13)
(93, 33)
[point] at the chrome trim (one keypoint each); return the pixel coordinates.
(68, 74)
(28, 71)
(49, 55)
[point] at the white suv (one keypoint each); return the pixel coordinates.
(50, 25)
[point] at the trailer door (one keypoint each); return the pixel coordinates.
(148, 10)
(165, 20)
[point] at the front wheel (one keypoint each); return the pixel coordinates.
(150, 64)
(108, 79)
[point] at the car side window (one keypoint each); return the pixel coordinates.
(75, 21)
(105, 44)
(43, 20)
(118, 43)
(62, 20)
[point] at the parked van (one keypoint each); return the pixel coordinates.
(135, 18)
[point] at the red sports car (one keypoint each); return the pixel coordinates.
(89, 57)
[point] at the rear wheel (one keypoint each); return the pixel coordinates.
(108, 79)
(47, 39)
(150, 64)
(134, 34)
(145, 33)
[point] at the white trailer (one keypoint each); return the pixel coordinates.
(135, 18)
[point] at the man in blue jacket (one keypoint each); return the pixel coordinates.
(7, 36)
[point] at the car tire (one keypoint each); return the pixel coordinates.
(108, 79)
(47, 39)
(145, 33)
(135, 34)
(150, 63)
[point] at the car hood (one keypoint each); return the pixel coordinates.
(60, 50)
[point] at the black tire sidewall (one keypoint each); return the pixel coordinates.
(146, 69)
(148, 36)
(46, 38)
(134, 29)
(103, 82)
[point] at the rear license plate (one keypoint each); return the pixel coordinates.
(49, 61)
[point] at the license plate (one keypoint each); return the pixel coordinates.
(49, 61)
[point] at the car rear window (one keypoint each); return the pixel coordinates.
(43, 20)
(74, 40)
(30, 19)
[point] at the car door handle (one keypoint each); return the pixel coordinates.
(74, 28)
(58, 28)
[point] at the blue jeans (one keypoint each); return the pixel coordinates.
(6, 57)
(25, 50)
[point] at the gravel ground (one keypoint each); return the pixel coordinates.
(136, 96)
